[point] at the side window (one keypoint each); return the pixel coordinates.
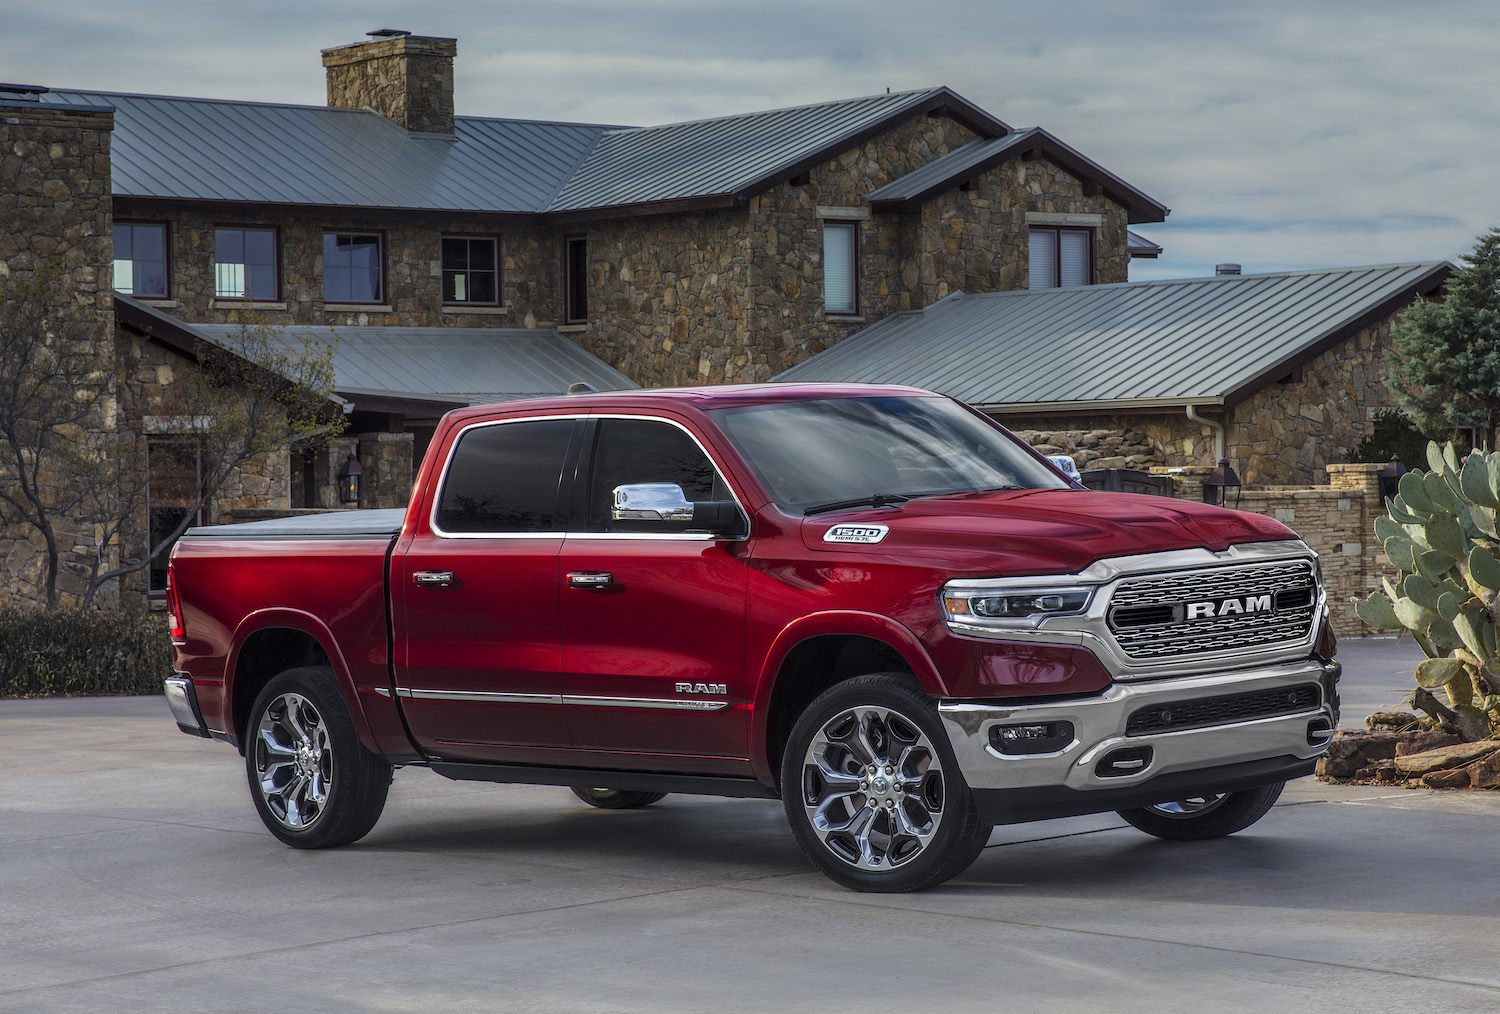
(635, 451)
(505, 478)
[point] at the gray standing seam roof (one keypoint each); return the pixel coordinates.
(465, 365)
(1140, 246)
(1135, 344)
(950, 167)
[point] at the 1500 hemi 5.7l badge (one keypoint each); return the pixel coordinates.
(856, 533)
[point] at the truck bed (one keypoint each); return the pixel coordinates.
(334, 524)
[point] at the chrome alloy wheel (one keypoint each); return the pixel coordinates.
(1192, 806)
(294, 761)
(872, 788)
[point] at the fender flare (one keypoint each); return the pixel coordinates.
(307, 623)
(847, 622)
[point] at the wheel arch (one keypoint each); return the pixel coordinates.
(271, 641)
(818, 651)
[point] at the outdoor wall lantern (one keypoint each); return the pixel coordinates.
(1390, 477)
(349, 480)
(1219, 482)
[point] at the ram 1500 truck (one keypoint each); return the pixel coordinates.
(871, 602)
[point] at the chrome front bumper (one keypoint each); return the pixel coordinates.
(183, 703)
(1099, 725)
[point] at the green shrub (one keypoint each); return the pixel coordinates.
(81, 653)
(1394, 433)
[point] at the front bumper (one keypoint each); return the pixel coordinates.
(1220, 757)
(182, 701)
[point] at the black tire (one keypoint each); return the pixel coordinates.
(616, 799)
(314, 783)
(900, 724)
(1199, 818)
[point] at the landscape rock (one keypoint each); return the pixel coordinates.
(1383, 771)
(1393, 720)
(1444, 757)
(1485, 772)
(1452, 778)
(1354, 749)
(1421, 742)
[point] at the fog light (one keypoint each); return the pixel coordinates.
(1043, 737)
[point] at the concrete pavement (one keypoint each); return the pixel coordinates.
(134, 876)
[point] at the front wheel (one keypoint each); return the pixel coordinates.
(616, 799)
(1201, 817)
(314, 783)
(873, 792)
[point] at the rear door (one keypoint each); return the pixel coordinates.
(476, 595)
(653, 622)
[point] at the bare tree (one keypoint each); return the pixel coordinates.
(55, 387)
(257, 392)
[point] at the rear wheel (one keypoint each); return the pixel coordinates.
(872, 790)
(1201, 817)
(616, 799)
(314, 783)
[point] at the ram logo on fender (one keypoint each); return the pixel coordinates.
(1231, 607)
(702, 688)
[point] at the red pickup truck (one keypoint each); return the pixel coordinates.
(871, 602)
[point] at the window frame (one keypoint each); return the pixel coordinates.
(1057, 231)
(855, 267)
(275, 232)
(382, 297)
(498, 241)
(565, 487)
(166, 257)
(569, 282)
(152, 592)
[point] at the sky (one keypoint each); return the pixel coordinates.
(1283, 134)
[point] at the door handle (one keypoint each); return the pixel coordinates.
(433, 578)
(590, 578)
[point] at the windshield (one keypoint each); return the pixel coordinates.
(816, 453)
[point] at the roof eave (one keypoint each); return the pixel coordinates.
(1101, 405)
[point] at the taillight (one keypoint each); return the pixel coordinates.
(174, 608)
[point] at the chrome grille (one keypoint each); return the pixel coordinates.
(1148, 615)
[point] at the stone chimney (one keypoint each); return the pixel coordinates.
(403, 77)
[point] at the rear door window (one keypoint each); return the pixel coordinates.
(505, 478)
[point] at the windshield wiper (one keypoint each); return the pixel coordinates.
(873, 500)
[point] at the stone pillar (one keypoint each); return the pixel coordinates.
(1361, 482)
(1187, 480)
(407, 79)
(56, 210)
(387, 461)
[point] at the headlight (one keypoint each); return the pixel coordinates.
(970, 603)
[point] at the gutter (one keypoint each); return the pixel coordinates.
(1217, 427)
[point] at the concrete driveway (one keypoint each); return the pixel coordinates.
(134, 876)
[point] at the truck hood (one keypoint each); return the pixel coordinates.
(1042, 531)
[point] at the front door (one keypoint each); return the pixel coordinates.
(653, 622)
(476, 597)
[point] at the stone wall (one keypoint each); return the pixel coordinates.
(55, 210)
(736, 295)
(530, 274)
(1114, 443)
(408, 80)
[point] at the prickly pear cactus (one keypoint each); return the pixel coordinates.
(1441, 534)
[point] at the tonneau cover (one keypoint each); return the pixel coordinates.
(334, 524)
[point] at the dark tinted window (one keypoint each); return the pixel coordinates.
(470, 270)
(634, 451)
(505, 478)
(576, 279)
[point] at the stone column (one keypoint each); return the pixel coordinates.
(387, 461)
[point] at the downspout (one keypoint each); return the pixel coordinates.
(1218, 428)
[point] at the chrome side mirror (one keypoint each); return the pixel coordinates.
(651, 501)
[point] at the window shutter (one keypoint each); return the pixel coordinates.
(1073, 259)
(838, 267)
(1042, 248)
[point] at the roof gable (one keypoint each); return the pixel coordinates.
(1132, 345)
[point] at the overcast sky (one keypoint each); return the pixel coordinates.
(1283, 134)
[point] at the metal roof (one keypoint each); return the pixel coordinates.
(456, 365)
(949, 169)
(218, 150)
(729, 154)
(1135, 344)
(1140, 246)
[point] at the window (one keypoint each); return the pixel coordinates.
(576, 279)
(471, 272)
(141, 259)
(634, 451)
(505, 478)
(245, 264)
(351, 267)
(173, 484)
(1060, 257)
(840, 267)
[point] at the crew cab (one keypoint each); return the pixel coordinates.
(871, 602)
